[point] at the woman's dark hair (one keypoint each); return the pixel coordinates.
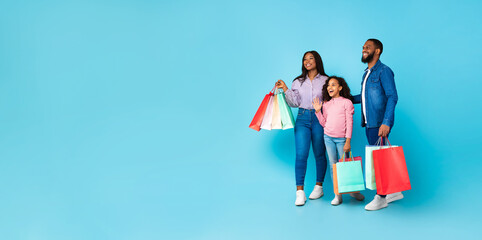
(319, 66)
(345, 91)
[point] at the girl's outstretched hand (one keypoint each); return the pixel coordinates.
(317, 104)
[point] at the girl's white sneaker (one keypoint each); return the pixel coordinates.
(358, 196)
(337, 200)
(300, 198)
(317, 192)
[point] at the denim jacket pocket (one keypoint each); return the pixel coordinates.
(374, 82)
(375, 78)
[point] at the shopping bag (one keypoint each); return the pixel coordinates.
(258, 117)
(335, 182)
(369, 168)
(287, 119)
(348, 175)
(391, 172)
(276, 118)
(268, 115)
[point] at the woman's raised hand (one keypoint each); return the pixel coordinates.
(281, 84)
(317, 104)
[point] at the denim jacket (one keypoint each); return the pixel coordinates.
(380, 96)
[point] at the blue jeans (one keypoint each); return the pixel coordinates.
(308, 130)
(334, 148)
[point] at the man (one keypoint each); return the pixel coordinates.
(378, 99)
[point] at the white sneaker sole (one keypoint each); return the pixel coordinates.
(377, 208)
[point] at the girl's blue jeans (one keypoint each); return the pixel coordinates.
(308, 130)
(334, 148)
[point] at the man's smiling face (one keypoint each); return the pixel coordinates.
(368, 52)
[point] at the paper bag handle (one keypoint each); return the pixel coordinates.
(380, 142)
(351, 156)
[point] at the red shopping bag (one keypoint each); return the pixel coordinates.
(391, 174)
(258, 117)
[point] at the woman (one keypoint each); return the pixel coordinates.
(308, 130)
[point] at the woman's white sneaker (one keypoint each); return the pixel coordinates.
(317, 192)
(300, 198)
(377, 203)
(337, 200)
(394, 197)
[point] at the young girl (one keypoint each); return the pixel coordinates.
(308, 130)
(337, 121)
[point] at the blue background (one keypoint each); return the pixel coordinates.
(129, 119)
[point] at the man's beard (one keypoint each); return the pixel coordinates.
(368, 59)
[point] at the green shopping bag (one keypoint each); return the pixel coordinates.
(369, 168)
(287, 119)
(350, 176)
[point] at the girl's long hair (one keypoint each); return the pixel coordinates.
(304, 71)
(345, 91)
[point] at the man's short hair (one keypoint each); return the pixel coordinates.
(377, 44)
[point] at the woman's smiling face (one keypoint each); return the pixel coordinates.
(334, 88)
(309, 62)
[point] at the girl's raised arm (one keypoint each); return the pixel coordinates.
(317, 105)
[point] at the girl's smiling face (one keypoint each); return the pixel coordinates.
(334, 88)
(309, 62)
